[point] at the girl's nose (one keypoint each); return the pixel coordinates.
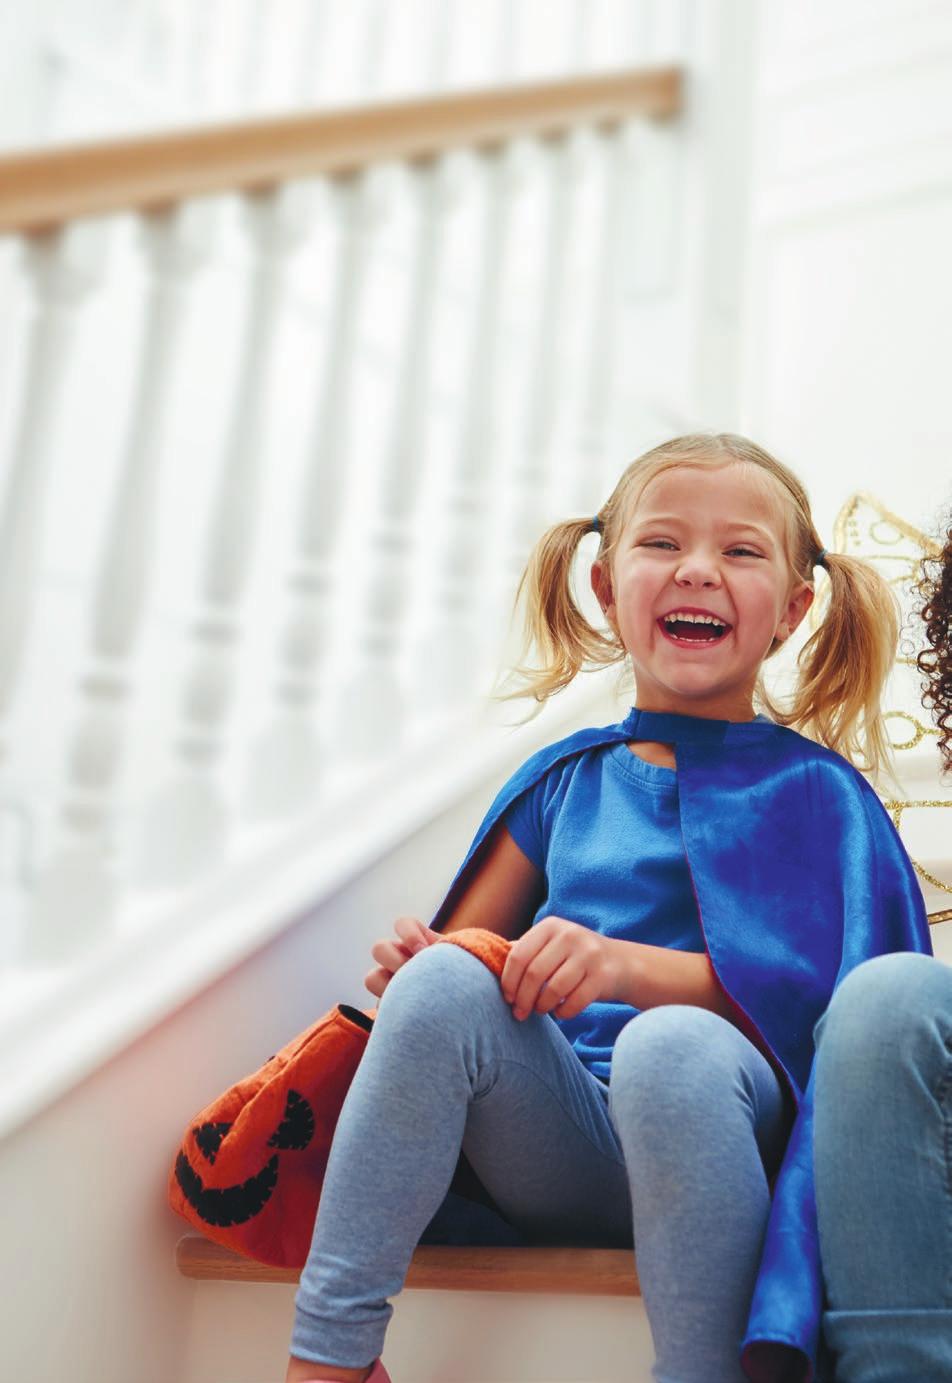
(697, 571)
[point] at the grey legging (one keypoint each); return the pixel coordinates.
(675, 1154)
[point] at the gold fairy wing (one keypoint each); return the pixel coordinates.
(921, 808)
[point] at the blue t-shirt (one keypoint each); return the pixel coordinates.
(605, 829)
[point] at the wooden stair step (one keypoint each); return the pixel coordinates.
(446, 1267)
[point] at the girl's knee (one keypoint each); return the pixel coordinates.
(670, 1057)
(443, 984)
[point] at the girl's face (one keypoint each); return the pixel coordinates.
(701, 543)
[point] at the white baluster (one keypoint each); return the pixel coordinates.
(371, 708)
(597, 431)
(376, 24)
(64, 266)
(579, 57)
(440, 19)
(202, 79)
(74, 902)
(288, 757)
(377, 710)
(531, 491)
(178, 29)
(448, 652)
(51, 67)
(185, 826)
(309, 64)
(529, 488)
(252, 44)
(543, 373)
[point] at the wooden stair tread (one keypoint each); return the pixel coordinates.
(446, 1267)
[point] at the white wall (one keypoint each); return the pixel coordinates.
(847, 332)
(848, 329)
(686, 256)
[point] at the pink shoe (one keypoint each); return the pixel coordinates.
(378, 1374)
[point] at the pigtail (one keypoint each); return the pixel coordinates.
(844, 665)
(553, 625)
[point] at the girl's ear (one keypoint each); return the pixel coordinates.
(602, 586)
(801, 598)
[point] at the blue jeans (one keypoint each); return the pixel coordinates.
(883, 1151)
(672, 1156)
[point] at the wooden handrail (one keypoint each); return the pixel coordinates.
(42, 190)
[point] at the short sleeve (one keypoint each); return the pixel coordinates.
(523, 820)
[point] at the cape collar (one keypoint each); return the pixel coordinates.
(668, 727)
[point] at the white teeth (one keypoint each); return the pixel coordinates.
(682, 617)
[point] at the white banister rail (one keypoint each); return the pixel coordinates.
(47, 188)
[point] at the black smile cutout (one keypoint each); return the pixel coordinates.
(235, 1205)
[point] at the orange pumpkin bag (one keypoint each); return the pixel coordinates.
(251, 1165)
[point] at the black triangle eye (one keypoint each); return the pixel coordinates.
(296, 1129)
(209, 1138)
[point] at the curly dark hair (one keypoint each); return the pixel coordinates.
(935, 662)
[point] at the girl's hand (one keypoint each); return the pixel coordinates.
(558, 966)
(412, 936)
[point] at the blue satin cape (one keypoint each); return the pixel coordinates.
(799, 875)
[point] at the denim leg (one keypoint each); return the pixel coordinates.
(882, 1147)
(700, 1115)
(448, 1066)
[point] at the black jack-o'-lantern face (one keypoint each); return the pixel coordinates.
(235, 1205)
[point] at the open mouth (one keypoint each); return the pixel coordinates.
(694, 633)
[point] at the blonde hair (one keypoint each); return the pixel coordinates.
(842, 667)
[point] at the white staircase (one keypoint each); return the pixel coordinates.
(262, 497)
(274, 437)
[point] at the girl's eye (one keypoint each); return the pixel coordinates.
(665, 543)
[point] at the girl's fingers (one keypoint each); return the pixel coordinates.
(558, 988)
(538, 969)
(574, 998)
(518, 986)
(390, 954)
(412, 932)
(530, 995)
(376, 981)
